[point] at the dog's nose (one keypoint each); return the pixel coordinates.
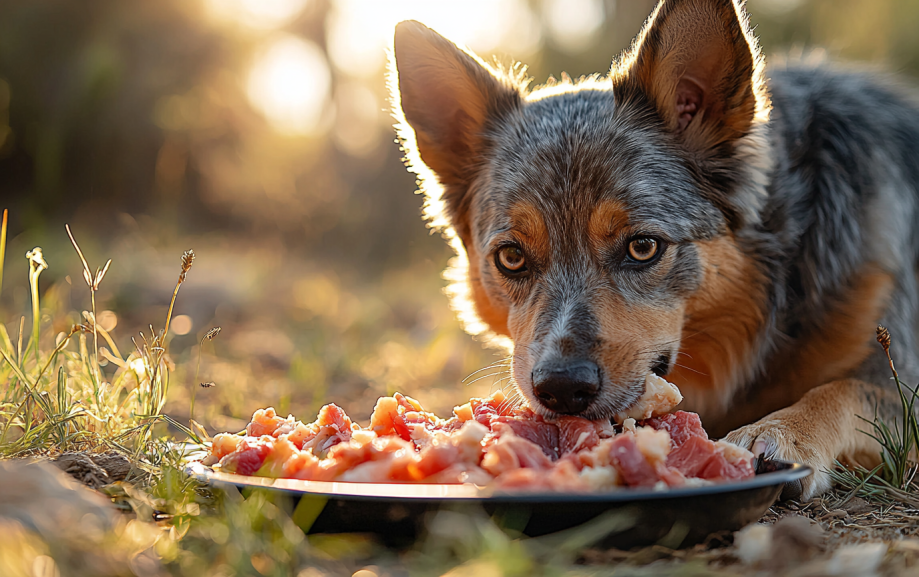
(566, 388)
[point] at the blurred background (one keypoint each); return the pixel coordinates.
(257, 132)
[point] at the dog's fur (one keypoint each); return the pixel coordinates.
(785, 213)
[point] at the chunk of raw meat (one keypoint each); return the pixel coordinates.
(705, 459)
(248, 456)
(512, 452)
(535, 430)
(575, 434)
(636, 468)
(680, 425)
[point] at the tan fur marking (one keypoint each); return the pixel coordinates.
(494, 314)
(828, 352)
(607, 218)
(845, 337)
(634, 336)
(527, 221)
(722, 320)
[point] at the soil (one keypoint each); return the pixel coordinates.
(814, 538)
(94, 470)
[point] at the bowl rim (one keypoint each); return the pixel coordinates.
(787, 472)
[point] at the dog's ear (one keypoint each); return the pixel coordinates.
(449, 98)
(699, 64)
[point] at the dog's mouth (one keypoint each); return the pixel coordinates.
(661, 366)
(607, 398)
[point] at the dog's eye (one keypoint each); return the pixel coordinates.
(643, 249)
(510, 260)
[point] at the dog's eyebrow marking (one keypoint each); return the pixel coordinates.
(608, 218)
(529, 222)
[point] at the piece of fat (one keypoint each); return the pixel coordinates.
(660, 397)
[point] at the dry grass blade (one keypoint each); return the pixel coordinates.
(3, 230)
(188, 258)
(93, 283)
(87, 274)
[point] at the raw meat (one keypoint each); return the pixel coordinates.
(486, 442)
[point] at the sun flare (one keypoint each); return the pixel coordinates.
(289, 83)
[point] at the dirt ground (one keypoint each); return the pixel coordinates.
(819, 537)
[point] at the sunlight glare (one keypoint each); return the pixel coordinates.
(360, 30)
(573, 24)
(289, 84)
(263, 14)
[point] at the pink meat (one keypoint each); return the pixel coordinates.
(509, 452)
(575, 434)
(631, 463)
(692, 456)
(701, 458)
(248, 457)
(681, 425)
(535, 430)
(634, 467)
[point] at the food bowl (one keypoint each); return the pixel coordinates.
(397, 512)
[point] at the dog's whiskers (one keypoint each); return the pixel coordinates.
(502, 363)
(477, 379)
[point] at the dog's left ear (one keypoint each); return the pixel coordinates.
(449, 98)
(698, 63)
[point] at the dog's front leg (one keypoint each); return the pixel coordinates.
(821, 427)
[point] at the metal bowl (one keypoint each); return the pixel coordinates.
(396, 512)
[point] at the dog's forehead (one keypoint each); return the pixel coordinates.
(567, 154)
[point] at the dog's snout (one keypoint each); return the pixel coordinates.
(566, 388)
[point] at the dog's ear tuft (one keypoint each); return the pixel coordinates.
(699, 63)
(449, 98)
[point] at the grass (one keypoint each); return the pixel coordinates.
(60, 401)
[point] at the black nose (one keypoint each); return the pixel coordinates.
(566, 387)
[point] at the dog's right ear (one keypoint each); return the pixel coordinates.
(449, 98)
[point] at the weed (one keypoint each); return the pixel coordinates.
(893, 479)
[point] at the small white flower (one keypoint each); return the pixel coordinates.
(36, 260)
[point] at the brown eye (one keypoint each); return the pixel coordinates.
(643, 249)
(510, 260)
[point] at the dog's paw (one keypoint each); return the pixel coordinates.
(778, 438)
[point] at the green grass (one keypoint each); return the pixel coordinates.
(59, 400)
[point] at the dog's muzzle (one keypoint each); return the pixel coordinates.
(567, 387)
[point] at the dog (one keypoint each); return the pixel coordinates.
(737, 228)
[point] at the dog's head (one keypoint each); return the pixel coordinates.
(597, 223)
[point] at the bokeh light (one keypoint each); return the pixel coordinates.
(181, 325)
(265, 14)
(574, 24)
(360, 30)
(289, 84)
